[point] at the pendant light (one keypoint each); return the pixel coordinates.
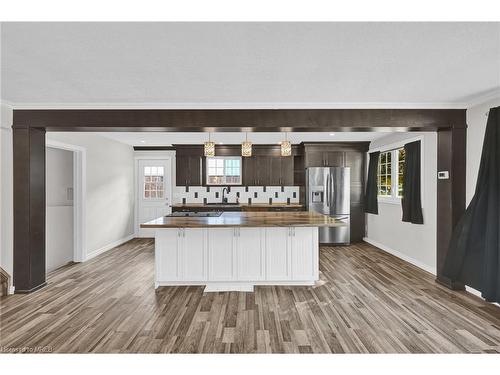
(286, 147)
(246, 147)
(209, 147)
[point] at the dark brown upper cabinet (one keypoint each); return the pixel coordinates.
(263, 170)
(322, 158)
(188, 171)
(189, 165)
(266, 167)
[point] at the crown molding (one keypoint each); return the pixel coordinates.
(470, 102)
(480, 99)
(285, 105)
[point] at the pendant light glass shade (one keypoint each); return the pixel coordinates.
(286, 147)
(246, 147)
(209, 147)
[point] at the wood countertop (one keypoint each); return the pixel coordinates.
(223, 205)
(247, 219)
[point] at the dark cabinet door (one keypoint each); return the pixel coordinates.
(194, 170)
(286, 178)
(249, 171)
(182, 170)
(334, 158)
(263, 170)
(275, 171)
(188, 170)
(355, 160)
(315, 159)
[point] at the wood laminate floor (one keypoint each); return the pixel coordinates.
(366, 302)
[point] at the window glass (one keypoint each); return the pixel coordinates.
(401, 163)
(153, 182)
(384, 174)
(224, 170)
(390, 173)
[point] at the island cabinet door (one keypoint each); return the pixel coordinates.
(249, 254)
(221, 254)
(277, 244)
(193, 254)
(168, 244)
(304, 253)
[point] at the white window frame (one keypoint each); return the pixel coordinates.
(150, 199)
(224, 181)
(393, 198)
(394, 147)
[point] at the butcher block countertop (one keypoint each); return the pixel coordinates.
(247, 219)
(225, 205)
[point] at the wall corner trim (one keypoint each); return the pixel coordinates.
(402, 256)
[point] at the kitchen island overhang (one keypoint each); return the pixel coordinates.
(238, 250)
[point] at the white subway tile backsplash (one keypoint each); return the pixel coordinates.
(255, 193)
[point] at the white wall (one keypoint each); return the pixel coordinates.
(58, 177)
(6, 192)
(59, 208)
(476, 126)
(415, 243)
(110, 189)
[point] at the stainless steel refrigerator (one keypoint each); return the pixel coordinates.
(328, 193)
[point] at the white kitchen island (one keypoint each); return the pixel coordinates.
(238, 250)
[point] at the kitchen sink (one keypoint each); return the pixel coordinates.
(196, 214)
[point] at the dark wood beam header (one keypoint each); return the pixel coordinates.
(196, 120)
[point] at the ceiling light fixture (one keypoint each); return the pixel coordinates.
(332, 134)
(286, 147)
(246, 147)
(209, 147)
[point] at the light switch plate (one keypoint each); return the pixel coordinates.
(443, 175)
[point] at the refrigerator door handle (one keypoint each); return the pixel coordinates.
(328, 191)
(332, 192)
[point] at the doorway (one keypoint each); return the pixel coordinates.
(65, 186)
(59, 208)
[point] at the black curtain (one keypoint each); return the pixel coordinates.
(412, 206)
(474, 252)
(371, 184)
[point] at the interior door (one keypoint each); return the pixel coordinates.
(154, 192)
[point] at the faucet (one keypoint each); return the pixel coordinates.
(224, 199)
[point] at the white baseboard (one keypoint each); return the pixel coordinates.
(109, 246)
(11, 289)
(400, 255)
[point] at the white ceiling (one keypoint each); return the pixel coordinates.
(167, 139)
(245, 65)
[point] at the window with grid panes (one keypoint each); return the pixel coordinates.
(401, 163)
(385, 174)
(390, 174)
(223, 170)
(153, 182)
